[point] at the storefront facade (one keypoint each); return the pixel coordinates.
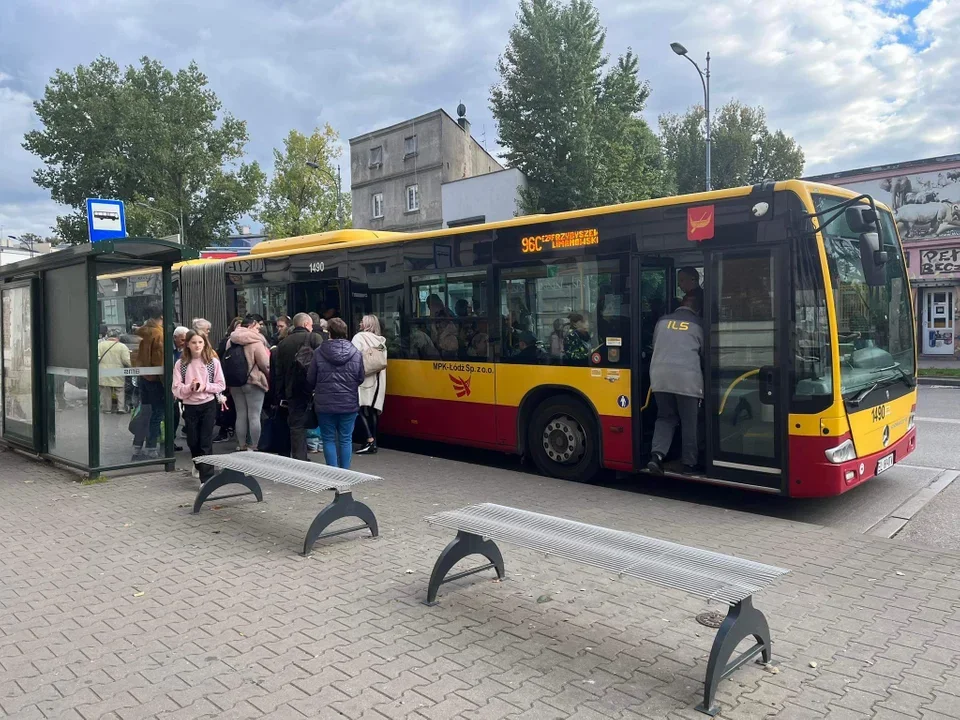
(925, 198)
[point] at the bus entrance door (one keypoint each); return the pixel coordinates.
(745, 423)
(327, 298)
(656, 286)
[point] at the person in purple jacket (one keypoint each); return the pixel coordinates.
(335, 374)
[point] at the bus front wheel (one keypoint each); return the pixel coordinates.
(563, 441)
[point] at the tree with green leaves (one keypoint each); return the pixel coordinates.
(301, 198)
(573, 129)
(143, 135)
(744, 150)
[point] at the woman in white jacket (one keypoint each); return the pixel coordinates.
(373, 348)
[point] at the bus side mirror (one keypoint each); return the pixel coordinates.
(873, 259)
(861, 219)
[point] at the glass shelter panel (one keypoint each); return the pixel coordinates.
(66, 340)
(129, 362)
(18, 363)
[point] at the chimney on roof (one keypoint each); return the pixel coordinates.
(462, 118)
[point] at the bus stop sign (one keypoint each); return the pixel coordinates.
(106, 219)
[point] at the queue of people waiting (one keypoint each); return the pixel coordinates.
(299, 391)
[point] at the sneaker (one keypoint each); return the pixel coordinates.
(151, 453)
(368, 449)
(655, 465)
(222, 437)
(195, 472)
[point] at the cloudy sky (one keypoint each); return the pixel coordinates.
(857, 82)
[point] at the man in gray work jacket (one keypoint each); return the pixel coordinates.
(676, 378)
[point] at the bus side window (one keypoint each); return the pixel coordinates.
(563, 314)
(811, 380)
(447, 317)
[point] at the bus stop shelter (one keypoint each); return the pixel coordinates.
(72, 374)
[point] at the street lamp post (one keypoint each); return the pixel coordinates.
(317, 166)
(705, 81)
(178, 221)
(28, 243)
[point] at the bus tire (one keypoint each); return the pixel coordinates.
(563, 440)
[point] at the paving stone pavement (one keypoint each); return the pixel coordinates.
(117, 602)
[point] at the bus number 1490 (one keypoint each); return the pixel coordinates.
(316, 267)
(880, 412)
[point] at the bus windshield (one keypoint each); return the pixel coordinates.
(874, 323)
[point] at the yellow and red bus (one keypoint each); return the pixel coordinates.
(534, 335)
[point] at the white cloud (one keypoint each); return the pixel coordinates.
(857, 82)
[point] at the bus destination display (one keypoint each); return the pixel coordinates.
(560, 241)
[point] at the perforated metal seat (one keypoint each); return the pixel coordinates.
(313, 477)
(244, 468)
(705, 574)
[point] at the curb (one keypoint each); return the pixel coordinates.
(941, 381)
(897, 520)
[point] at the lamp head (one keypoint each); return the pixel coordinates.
(678, 48)
(312, 164)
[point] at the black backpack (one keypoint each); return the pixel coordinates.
(304, 356)
(235, 370)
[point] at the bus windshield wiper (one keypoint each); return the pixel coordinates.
(863, 393)
(902, 374)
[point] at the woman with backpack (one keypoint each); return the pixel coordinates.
(373, 350)
(197, 380)
(246, 367)
(335, 373)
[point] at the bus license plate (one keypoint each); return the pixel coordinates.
(885, 463)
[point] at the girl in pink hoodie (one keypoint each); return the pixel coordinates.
(197, 380)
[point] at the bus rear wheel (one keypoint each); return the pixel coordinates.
(563, 441)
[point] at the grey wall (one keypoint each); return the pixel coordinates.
(444, 152)
(396, 173)
(494, 196)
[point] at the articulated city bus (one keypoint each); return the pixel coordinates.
(534, 335)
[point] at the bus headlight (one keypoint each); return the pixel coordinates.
(912, 422)
(841, 453)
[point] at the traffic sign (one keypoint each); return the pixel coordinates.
(106, 219)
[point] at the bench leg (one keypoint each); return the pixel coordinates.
(343, 506)
(742, 621)
(464, 545)
(221, 479)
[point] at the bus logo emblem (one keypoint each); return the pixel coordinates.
(461, 386)
(700, 223)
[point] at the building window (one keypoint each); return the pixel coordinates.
(378, 205)
(376, 156)
(413, 198)
(409, 146)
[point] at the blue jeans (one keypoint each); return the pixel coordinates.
(337, 451)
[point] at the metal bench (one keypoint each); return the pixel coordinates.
(243, 468)
(705, 574)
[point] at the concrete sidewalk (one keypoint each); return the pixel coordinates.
(119, 603)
